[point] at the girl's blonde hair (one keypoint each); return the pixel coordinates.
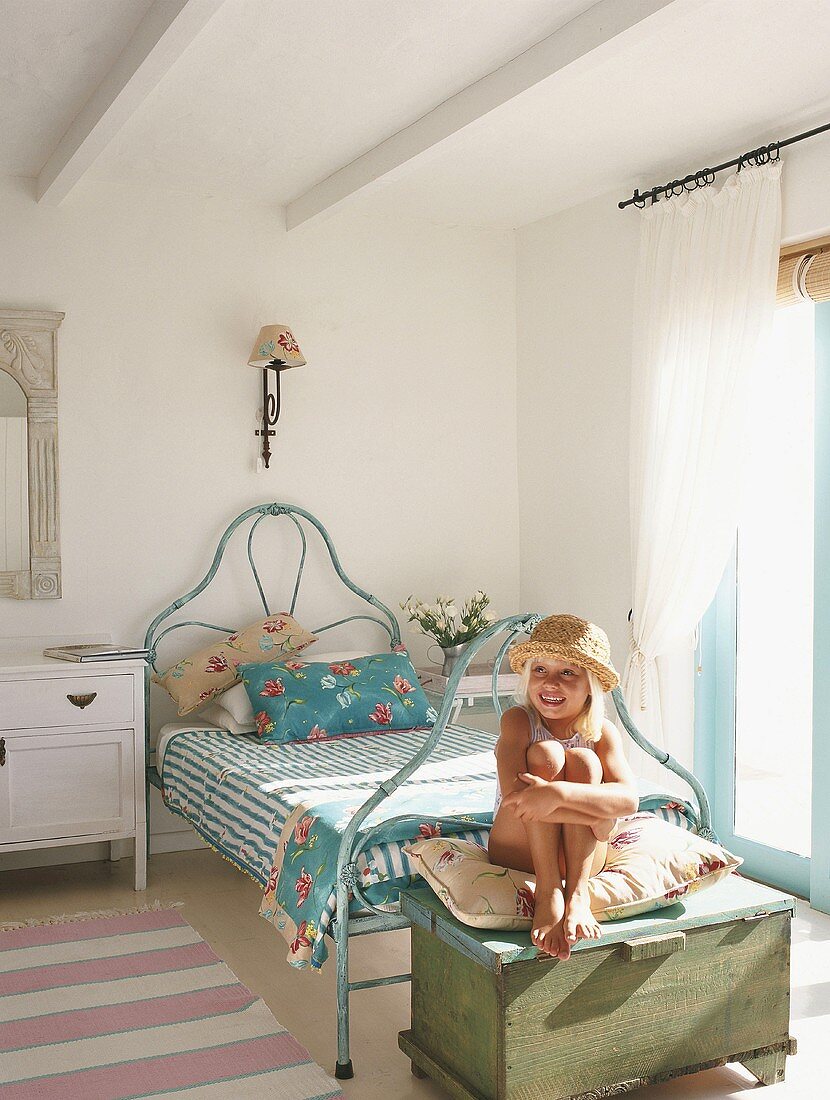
(588, 723)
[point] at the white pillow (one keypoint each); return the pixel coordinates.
(239, 714)
(237, 705)
(218, 716)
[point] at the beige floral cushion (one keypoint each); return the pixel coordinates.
(203, 676)
(650, 864)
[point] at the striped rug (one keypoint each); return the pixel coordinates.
(138, 1005)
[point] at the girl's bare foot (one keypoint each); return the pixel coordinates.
(579, 922)
(547, 932)
(602, 829)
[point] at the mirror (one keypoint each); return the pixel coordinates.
(14, 477)
(30, 567)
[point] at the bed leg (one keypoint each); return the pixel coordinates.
(344, 1070)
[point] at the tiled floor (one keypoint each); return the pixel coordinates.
(222, 905)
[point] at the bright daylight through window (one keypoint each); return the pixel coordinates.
(775, 596)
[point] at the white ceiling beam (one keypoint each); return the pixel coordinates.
(575, 41)
(160, 39)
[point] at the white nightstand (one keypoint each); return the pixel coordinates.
(71, 754)
(476, 683)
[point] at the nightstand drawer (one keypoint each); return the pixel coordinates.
(56, 784)
(64, 701)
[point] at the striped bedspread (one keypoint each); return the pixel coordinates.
(239, 792)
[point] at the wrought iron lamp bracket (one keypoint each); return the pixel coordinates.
(270, 410)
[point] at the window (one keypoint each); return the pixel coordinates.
(762, 748)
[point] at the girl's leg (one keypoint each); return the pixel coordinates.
(584, 855)
(535, 847)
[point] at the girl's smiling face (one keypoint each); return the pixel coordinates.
(557, 689)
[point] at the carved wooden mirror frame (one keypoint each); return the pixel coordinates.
(28, 352)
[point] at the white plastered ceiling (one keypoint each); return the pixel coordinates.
(53, 55)
(480, 112)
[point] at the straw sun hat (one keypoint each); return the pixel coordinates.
(568, 638)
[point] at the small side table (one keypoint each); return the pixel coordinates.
(477, 683)
(72, 754)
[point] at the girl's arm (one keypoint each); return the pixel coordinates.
(573, 803)
(511, 749)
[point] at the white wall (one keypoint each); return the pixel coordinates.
(574, 300)
(575, 286)
(400, 434)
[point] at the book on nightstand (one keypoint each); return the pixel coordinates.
(95, 651)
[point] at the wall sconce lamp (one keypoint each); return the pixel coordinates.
(275, 350)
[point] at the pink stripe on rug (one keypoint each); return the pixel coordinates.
(70, 931)
(107, 970)
(60, 1027)
(168, 1073)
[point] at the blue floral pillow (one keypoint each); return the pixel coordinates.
(296, 700)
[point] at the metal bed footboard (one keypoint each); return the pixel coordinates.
(353, 843)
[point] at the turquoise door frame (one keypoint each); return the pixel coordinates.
(715, 689)
(715, 744)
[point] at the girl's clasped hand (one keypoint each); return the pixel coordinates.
(539, 801)
(563, 776)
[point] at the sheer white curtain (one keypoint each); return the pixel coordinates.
(705, 296)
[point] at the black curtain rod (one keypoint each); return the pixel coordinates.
(705, 176)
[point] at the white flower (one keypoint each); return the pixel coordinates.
(451, 610)
(489, 617)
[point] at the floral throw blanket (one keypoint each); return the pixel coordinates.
(300, 895)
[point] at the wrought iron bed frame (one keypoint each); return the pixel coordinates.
(370, 918)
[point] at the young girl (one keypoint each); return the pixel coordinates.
(563, 777)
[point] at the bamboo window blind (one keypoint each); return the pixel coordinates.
(804, 273)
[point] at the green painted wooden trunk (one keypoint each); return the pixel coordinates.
(700, 984)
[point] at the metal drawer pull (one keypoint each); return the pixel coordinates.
(2, 751)
(653, 947)
(82, 700)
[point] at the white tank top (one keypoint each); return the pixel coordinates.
(540, 732)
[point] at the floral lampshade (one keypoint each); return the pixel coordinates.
(276, 347)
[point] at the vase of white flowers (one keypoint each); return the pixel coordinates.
(452, 629)
(452, 655)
